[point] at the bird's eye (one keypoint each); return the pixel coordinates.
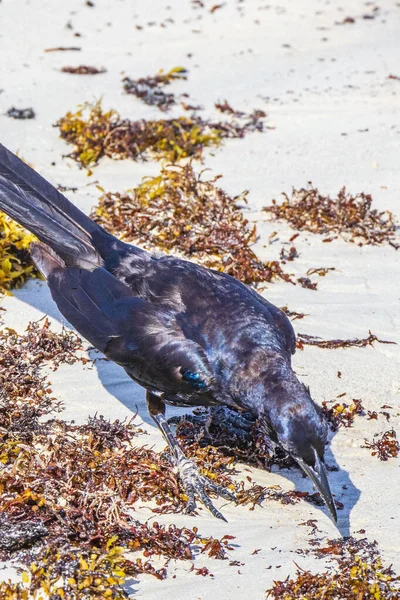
(194, 379)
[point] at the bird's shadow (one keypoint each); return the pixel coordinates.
(132, 396)
(345, 493)
(112, 376)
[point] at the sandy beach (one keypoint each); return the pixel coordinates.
(333, 120)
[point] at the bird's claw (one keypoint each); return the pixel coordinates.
(195, 483)
(230, 420)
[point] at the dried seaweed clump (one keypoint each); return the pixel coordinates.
(357, 573)
(83, 70)
(67, 491)
(21, 113)
(384, 447)
(88, 129)
(151, 89)
(311, 340)
(179, 211)
(87, 573)
(45, 344)
(306, 283)
(70, 574)
(349, 216)
(342, 414)
(25, 395)
(95, 133)
(292, 314)
(15, 262)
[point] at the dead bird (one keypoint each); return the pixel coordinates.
(189, 335)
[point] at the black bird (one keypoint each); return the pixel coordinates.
(191, 336)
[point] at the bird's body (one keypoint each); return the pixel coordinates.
(189, 335)
(186, 302)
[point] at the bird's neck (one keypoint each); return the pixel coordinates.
(257, 379)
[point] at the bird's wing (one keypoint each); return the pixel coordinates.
(272, 313)
(89, 300)
(130, 331)
(282, 323)
(174, 282)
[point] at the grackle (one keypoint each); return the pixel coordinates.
(189, 335)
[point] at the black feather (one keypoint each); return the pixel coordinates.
(89, 300)
(37, 205)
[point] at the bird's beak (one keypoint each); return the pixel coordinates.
(319, 478)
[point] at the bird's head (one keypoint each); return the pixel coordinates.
(297, 424)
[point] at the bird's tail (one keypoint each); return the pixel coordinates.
(34, 203)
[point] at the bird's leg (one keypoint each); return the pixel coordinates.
(192, 480)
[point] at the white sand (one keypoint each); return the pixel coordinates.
(336, 115)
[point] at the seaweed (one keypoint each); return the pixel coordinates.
(355, 572)
(292, 314)
(26, 395)
(45, 344)
(15, 262)
(342, 414)
(21, 113)
(203, 571)
(216, 7)
(218, 548)
(321, 271)
(151, 89)
(181, 212)
(306, 282)
(346, 21)
(82, 70)
(67, 490)
(68, 573)
(385, 414)
(95, 133)
(288, 256)
(348, 216)
(66, 188)
(312, 340)
(225, 107)
(257, 494)
(64, 49)
(385, 447)
(88, 132)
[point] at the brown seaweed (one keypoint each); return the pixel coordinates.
(311, 340)
(292, 314)
(151, 89)
(64, 49)
(306, 282)
(355, 572)
(342, 414)
(181, 212)
(348, 216)
(67, 490)
(95, 133)
(384, 447)
(82, 70)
